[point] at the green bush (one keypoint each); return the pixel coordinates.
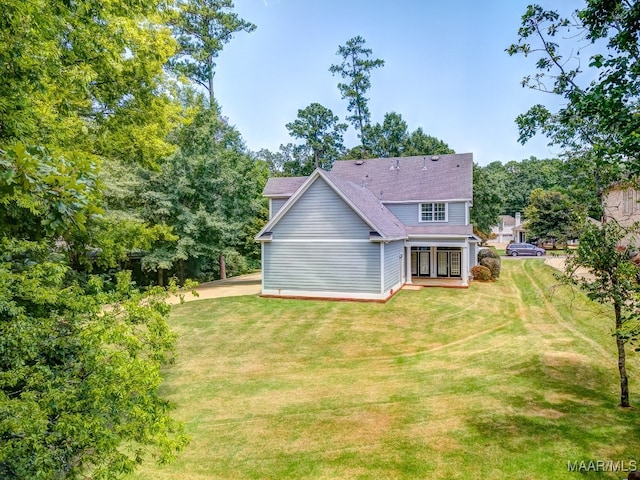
(493, 264)
(481, 273)
(490, 252)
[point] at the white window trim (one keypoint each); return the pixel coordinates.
(446, 212)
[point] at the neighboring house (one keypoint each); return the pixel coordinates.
(509, 230)
(621, 203)
(368, 227)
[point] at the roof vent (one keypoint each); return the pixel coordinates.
(391, 167)
(424, 163)
(359, 162)
(397, 164)
(435, 158)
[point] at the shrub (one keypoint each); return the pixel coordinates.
(492, 264)
(481, 273)
(490, 252)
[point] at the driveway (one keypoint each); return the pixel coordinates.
(231, 287)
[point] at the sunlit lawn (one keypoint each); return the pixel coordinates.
(499, 381)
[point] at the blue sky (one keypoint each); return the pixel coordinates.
(446, 70)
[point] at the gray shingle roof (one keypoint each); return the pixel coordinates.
(420, 178)
(282, 186)
(508, 220)
(384, 222)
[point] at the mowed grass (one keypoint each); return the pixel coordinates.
(500, 381)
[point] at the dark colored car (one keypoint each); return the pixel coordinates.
(515, 249)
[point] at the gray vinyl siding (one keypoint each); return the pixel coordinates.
(276, 205)
(473, 255)
(409, 213)
(321, 213)
(392, 264)
(322, 266)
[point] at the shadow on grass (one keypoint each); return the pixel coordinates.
(564, 409)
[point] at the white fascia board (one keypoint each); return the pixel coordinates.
(438, 236)
(448, 200)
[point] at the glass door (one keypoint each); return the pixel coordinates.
(425, 264)
(443, 264)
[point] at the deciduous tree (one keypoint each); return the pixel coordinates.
(591, 60)
(551, 216)
(78, 382)
(487, 203)
(86, 77)
(208, 191)
(612, 280)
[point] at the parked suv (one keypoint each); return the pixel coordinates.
(515, 249)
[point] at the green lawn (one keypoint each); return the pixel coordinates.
(499, 381)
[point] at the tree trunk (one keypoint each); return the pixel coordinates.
(223, 268)
(316, 157)
(181, 271)
(624, 380)
(161, 277)
(211, 74)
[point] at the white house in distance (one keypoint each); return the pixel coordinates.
(368, 227)
(509, 229)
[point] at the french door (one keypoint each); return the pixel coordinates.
(421, 263)
(449, 263)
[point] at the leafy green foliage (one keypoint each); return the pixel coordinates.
(78, 380)
(44, 196)
(612, 279)
(388, 139)
(322, 132)
(356, 67)
(487, 203)
(207, 192)
(591, 60)
(419, 143)
(552, 216)
(203, 28)
(392, 139)
(489, 252)
(86, 77)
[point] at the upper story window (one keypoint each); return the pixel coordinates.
(433, 212)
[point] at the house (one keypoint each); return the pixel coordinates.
(621, 203)
(368, 227)
(509, 229)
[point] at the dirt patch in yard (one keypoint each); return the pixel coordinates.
(232, 287)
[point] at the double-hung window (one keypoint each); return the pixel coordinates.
(433, 212)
